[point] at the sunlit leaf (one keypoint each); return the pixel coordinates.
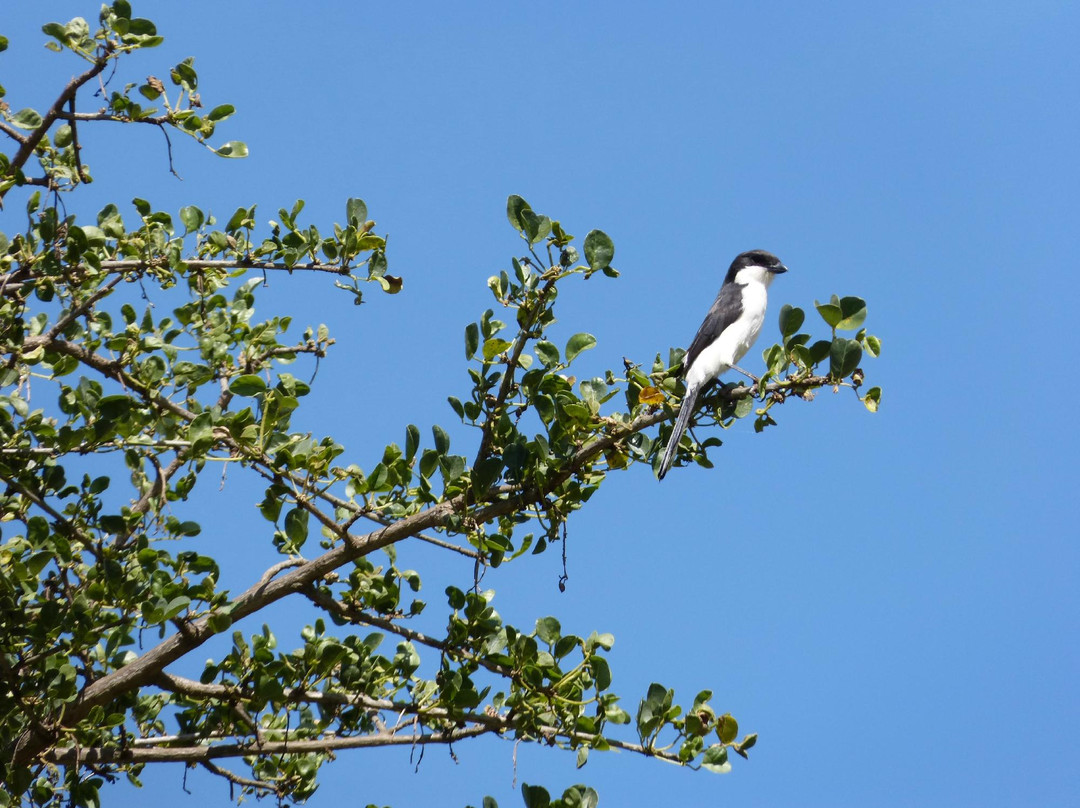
(247, 385)
(791, 319)
(578, 343)
(651, 395)
(234, 148)
(844, 357)
(514, 207)
(872, 399)
(852, 313)
(599, 250)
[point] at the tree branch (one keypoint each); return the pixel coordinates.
(55, 111)
(23, 274)
(145, 749)
(512, 360)
(144, 669)
(197, 754)
(236, 779)
(76, 311)
(12, 132)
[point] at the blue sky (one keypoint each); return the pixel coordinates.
(889, 600)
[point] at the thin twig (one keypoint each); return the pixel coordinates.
(168, 149)
(232, 777)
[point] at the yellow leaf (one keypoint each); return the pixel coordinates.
(650, 395)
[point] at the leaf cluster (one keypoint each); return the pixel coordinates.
(52, 137)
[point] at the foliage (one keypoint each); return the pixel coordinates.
(132, 410)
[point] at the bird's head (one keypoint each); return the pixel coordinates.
(754, 266)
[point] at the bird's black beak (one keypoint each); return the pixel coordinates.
(778, 269)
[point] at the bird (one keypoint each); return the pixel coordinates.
(729, 330)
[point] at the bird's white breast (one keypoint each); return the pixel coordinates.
(732, 345)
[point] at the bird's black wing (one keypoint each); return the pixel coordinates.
(726, 309)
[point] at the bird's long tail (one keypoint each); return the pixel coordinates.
(689, 402)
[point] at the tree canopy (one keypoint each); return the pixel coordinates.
(136, 405)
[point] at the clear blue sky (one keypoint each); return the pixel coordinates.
(890, 601)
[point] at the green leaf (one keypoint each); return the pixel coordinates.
(819, 351)
(391, 284)
(56, 31)
(412, 441)
(535, 796)
(844, 356)
(605, 640)
(536, 228)
(3, 43)
(452, 467)
(715, 759)
(548, 353)
(234, 148)
(26, 119)
(578, 343)
(601, 672)
(514, 206)
(219, 622)
(727, 728)
(548, 630)
(791, 319)
(472, 340)
(599, 250)
(442, 440)
(486, 472)
(355, 212)
(872, 399)
(221, 112)
(495, 346)
(184, 75)
(247, 385)
(296, 526)
(852, 313)
(830, 312)
(747, 743)
(192, 218)
(873, 346)
(176, 605)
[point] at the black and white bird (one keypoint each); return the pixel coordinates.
(730, 329)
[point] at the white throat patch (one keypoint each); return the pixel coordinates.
(754, 274)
